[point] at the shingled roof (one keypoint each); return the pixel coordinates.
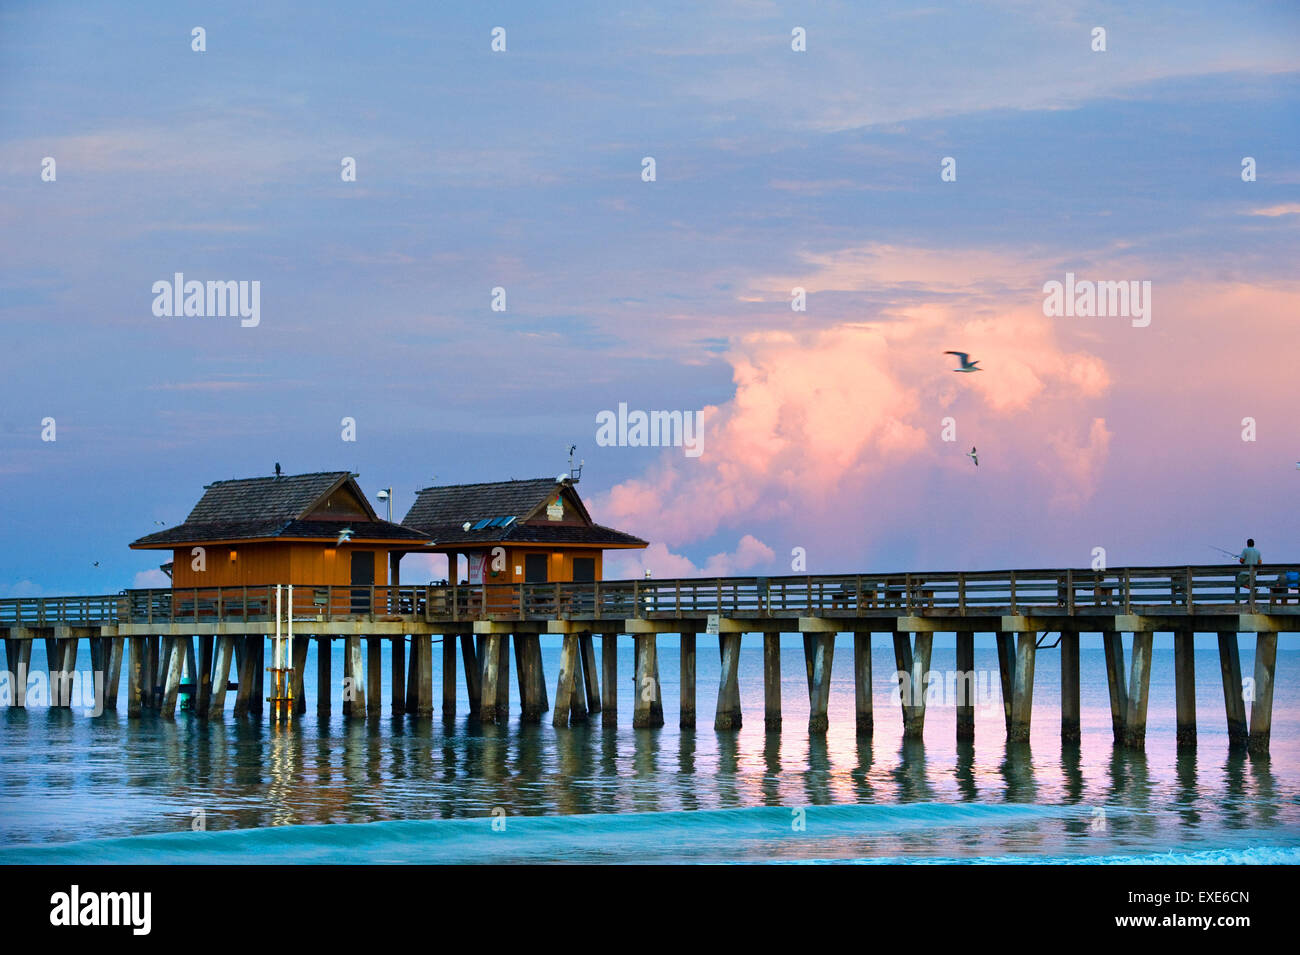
(254, 508)
(440, 514)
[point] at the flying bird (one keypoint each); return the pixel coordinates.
(966, 364)
(973, 456)
(95, 564)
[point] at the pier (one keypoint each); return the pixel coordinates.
(203, 643)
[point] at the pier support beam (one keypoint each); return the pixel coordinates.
(772, 682)
(489, 710)
(1070, 703)
(609, 670)
(532, 686)
(587, 647)
(728, 716)
(965, 685)
(323, 679)
(203, 676)
(1112, 642)
(912, 656)
(172, 679)
(818, 662)
(1022, 702)
(1139, 686)
(135, 675)
(422, 654)
(1234, 700)
(567, 707)
(862, 683)
(449, 665)
(397, 668)
(648, 707)
(1185, 685)
(473, 681)
(18, 656)
(1007, 673)
(220, 675)
(247, 675)
(1261, 709)
(299, 676)
(374, 676)
(257, 704)
(354, 686)
(687, 709)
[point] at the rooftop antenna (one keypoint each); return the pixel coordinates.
(575, 474)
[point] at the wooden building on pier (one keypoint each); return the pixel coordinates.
(534, 531)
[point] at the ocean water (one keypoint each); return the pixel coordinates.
(115, 790)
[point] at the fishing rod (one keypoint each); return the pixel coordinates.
(1227, 552)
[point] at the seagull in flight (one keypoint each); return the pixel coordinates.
(966, 364)
(972, 455)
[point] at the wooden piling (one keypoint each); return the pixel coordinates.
(1022, 702)
(1139, 685)
(648, 707)
(220, 675)
(473, 676)
(1234, 701)
(412, 682)
(19, 658)
(449, 664)
(863, 714)
(912, 654)
(503, 685)
(374, 676)
(567, 683)
(247, 675)
(1071, 709)
(1261, 709)
(354, 685)
(772, 682)
(424, 673)
(397, 693)
(609, 673)
(300, 647)
(135, 676)
(528, 659)
(1007, 673)
(203, 675)
(728, 715)
(1113, 643)
(966, 685)
(686, 720)
(172, 678)
(823, 648)
(324, 682)
(590, 673)
(488, 710)
(1185, 685)
(149, 691)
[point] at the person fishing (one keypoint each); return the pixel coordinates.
(1249, 557)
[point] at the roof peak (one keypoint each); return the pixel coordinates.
(537, 480)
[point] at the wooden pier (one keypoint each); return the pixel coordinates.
(219, 636)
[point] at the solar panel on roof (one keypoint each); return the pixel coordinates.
(481, 524)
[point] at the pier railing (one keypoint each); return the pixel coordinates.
(1070, 592)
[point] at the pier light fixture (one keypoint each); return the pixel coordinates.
(234, 554)
(387, 495)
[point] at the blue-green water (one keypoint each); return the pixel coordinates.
(110, 789)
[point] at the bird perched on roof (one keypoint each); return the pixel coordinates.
(966, 364)
(973, 456)
(277, 468)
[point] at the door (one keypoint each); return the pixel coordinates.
(584, 572)
(363, 575)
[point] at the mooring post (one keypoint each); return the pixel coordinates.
(609, 670)
(728, 715)
(966, 684)
(1112, 642)
(1007, 673)
(862, 682)
(1185, 685)
(1261, 709)
(220, 674)
(135, 678)
(687, 672)
(323, 679)
(397, 668)
(1071, 709)
(587, 647)
(1234, 700)
(820, 698)
(1139, 686)
(772, 682)
(473, 676)
(567, 683)
(648, 708)
(488, 709)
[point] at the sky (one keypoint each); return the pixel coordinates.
(834, 438)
